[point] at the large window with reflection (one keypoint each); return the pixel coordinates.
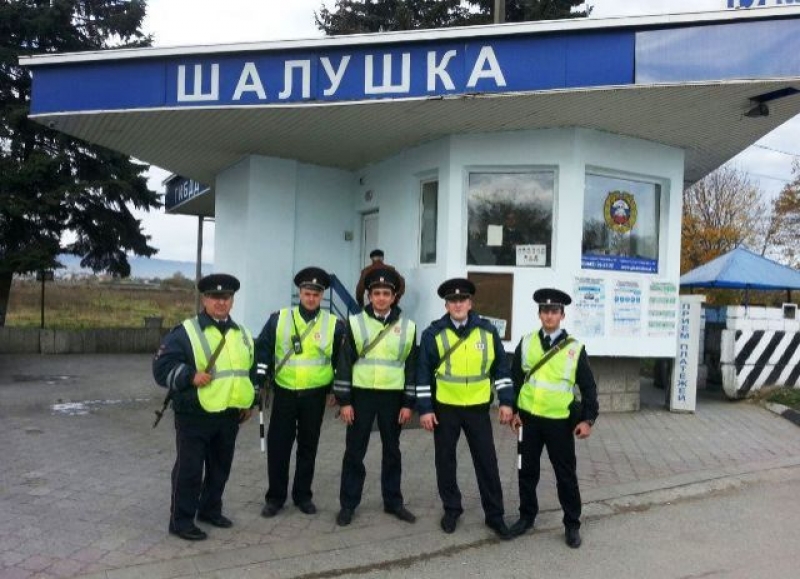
(510, 218)
(620, 224)
(429, 214)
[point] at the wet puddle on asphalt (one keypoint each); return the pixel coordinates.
(83, 407)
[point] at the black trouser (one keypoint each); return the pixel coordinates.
(477, 428)
(367, 404)
(295, 414)
(557, 436)
(201, 441)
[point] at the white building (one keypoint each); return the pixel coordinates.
(520, 155)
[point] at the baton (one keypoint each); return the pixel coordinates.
(263, 405)
(519, 448)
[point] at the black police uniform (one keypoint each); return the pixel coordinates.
(367, 405)
(554, 434)
(295, 414)
(204, 440)
(474, 420)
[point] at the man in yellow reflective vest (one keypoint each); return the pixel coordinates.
(296, 349)
(207, 364)
(546, 414)
(375, 378)
(460, 358)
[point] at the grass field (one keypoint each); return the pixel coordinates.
(71, 305)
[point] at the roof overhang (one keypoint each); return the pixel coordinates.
(682, 80)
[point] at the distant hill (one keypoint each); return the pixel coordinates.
(141, 267)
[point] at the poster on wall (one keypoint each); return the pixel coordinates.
(627, 310)
(662, 308)
(589, 307)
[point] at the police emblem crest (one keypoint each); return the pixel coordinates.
(619, 211)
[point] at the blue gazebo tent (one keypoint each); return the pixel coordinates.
(740, 269)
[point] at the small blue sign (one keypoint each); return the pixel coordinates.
(620, 263)
(179, 190)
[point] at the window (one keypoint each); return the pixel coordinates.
(429, 213)
(620, 224)
(510, 218)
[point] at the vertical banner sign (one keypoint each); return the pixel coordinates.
(683, 394)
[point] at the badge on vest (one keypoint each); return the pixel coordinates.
(317, 336)
(396, 329)
(480, 346)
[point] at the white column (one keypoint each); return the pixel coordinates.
(683, 393)
(255, 234)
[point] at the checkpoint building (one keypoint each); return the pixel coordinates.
(519, 155)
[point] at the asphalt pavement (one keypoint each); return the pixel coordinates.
(84, 481)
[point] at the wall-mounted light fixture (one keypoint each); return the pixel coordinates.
(759, 110)
(758, 103)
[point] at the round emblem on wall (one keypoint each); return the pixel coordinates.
(368, 195)
(619, 211)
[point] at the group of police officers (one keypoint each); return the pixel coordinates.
(215, 371)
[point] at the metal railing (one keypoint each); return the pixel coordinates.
(342, 303)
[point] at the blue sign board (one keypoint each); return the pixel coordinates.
(737, 4)
(354, 73)
(180, 190)
(620, 263)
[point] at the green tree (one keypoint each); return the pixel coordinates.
(53, 186)
(360, 16)
(721, 211)
(784, 227)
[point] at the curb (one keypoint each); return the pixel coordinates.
(789, 414)
(345, 552)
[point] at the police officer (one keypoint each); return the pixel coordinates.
(460, 356)
(375, 377)
(205, 363)
(296, 349)
(544, 401)
(376, 255)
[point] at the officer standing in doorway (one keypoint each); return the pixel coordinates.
(460, 357)
(375, 377)
(376, 257)
(546, 367)
(296, 349)
(206, 364)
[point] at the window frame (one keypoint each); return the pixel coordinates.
(661, 205)
(505, 169)
(422, 180)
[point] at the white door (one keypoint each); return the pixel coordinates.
(369, 236)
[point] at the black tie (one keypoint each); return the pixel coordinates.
(547, 343)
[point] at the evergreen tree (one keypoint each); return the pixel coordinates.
(359, 16)
(53, 186)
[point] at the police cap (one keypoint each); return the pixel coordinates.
(381, 277)
(218, 283)
(457, 287)
(312, 278)
(548, 296)
(376, 253)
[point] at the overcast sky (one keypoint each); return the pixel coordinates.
(193, 22)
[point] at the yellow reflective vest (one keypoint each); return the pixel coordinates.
(463, 378)
(549, 391)
(311, 368)
(230, 385)
(383, 368)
